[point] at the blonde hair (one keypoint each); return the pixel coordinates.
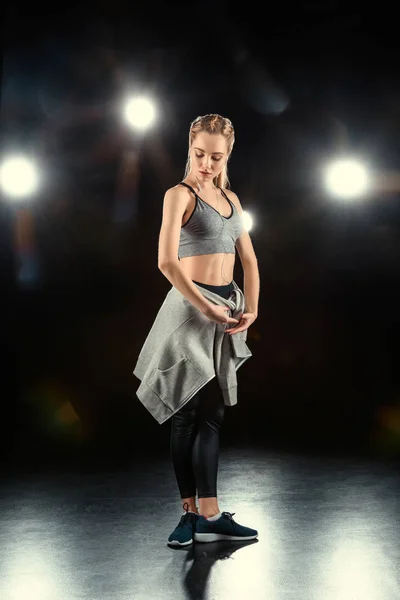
(213, 124)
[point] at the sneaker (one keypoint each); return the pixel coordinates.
(224, 528)
(183, 532)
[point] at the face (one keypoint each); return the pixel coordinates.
(209, 154)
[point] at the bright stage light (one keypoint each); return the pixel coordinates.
(140, 112)
(247, 221)
(18, 176)
(347, 178)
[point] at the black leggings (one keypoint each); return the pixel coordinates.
(195, 431)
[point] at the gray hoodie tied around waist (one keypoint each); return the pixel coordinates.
(184, 350)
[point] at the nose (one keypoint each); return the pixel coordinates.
(207, 163)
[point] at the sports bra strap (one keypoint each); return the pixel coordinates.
(188, 186)
(223, 193)
(192, 190)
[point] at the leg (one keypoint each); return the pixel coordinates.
(206, 453)
(191, 502)
(183, 433)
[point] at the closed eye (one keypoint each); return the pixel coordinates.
(214, 157)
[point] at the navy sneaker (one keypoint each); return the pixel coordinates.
(183, 532)
(224, 528)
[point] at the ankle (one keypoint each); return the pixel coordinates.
(208, 507)
(191, 509)
(210, 513)
(189, 504)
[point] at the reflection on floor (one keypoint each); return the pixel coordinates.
(328, 530)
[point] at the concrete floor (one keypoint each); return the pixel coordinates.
(328, 530)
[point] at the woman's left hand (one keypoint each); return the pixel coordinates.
(246, 319)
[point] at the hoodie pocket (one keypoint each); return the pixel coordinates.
(174, 384)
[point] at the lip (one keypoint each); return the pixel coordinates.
(204, 173)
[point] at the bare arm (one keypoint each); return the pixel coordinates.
(249, 262)
(251, 278)
(175, 203)
(176, 275)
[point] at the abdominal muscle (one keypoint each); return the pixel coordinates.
(207, 268)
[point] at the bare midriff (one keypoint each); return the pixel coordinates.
(206, 268)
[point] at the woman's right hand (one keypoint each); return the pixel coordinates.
(217, 313)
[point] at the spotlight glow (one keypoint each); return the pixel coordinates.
(140, 113)
(18, 176)
(247, 220)
(347, 178)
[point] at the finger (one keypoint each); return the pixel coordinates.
(236, 322)
(234, 330)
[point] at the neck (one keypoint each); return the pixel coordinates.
(201, 185)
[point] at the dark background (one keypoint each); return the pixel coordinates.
(80, 282)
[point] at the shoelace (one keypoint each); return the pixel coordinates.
(229, 516)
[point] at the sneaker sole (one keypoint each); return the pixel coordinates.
(215, 537)
(176, 543)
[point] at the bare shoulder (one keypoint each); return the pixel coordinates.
(243, 244)
(177, 197)
(177, 191)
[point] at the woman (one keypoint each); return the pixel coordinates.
(188, 344)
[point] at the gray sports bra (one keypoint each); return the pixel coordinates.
(208, 232)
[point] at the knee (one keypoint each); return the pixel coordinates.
(219, 413)
(215, 417)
